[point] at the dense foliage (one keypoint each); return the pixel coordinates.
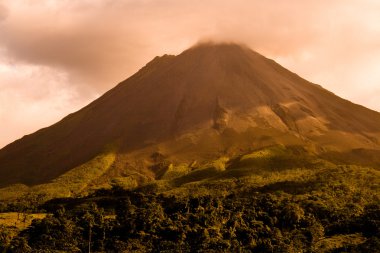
(244, 221)
(266, 201)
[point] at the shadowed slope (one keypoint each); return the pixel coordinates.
(206, 94)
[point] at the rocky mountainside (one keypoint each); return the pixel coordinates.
(212, 100)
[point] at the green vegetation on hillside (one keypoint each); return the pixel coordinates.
(75, 182)
(272, 200)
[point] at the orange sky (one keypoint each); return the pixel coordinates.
(58, 55)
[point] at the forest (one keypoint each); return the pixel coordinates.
(311, 208)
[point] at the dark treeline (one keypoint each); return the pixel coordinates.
(243, 221)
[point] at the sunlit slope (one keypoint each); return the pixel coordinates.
(212, 100)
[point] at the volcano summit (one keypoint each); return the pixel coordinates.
(210, 101)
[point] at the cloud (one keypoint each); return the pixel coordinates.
(3, 12)
(98, 43)
(101, 42)
(26, 106)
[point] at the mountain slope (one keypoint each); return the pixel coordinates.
(211, 100)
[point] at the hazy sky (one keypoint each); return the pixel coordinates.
(58, 55)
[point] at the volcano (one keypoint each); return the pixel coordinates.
(209, 101)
